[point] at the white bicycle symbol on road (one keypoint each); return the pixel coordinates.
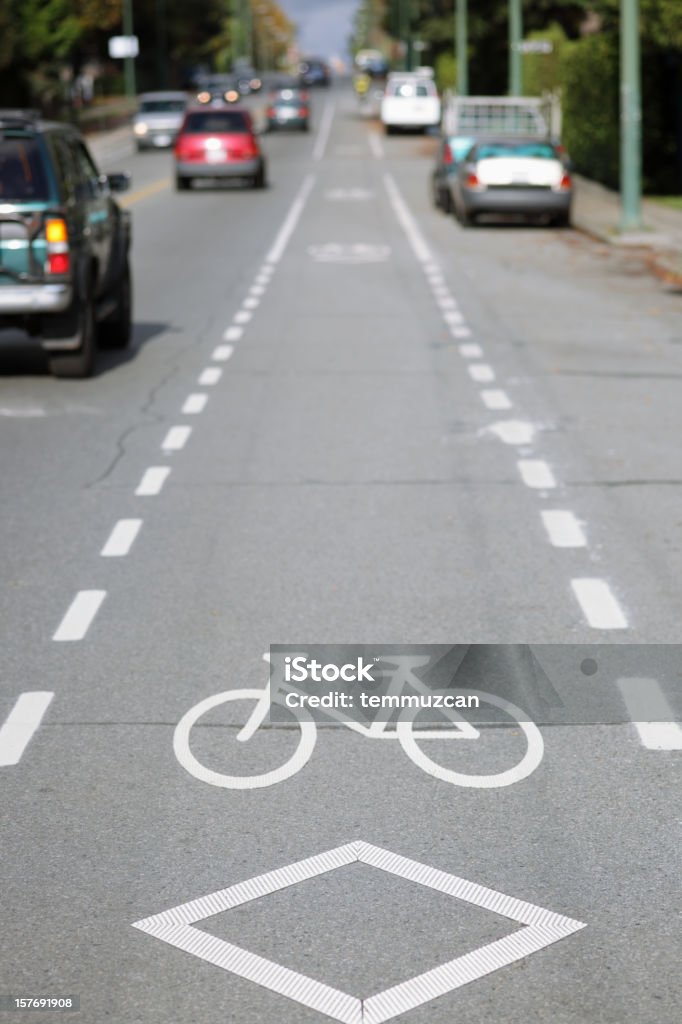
(408, 735)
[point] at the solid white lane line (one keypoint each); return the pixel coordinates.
(121, 538)
(407, 221)
(563, 528)
(495, 399)
(600, 607)
(243, 316)
(376, 145)
(79, 615)
(233, 333)
(471, 351)
(290, 222)
(210, 376)
(20, 725)
(323, 133)
(251, 302)
(194, 404)
(153, 480)
(481, 373)
(645, 701)
(536, 473)
(222, 353)
(176, 438)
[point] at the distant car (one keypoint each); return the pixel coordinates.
(248, 80)
(218, 89)
(526, 176)
(313, 71)
(410, 101)
(288, 108)
(218, 143)
(64, 243)
(451, 150)
(158, 119)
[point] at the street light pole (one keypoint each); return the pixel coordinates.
(129, 62)
(515, 36)
(630, 118)
(461, 46)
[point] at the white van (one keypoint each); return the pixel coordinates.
(410, 101)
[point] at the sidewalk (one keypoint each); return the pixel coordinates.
(596, 211)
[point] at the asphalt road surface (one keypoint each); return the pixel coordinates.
(344, 419)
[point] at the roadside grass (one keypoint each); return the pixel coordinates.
(674, 202)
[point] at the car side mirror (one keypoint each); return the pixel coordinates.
(119, 182)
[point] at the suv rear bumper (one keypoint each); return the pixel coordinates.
(27, 299)
(228, 169)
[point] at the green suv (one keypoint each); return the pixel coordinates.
(64, 243)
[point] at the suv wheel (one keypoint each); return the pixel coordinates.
(258, 180)
(79, 362)
(182, 183)
(116, 330)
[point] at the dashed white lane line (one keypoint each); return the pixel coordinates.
(323, 134)
(446, 302)
(407, 221)
(121, 538)
(563, 529)
(20, 725)
(471, 351)
(599, 606)
(233, 333)
(461, 332)
(453, 317)
(481, 373)
(257, 288)
(516, 432)
(210, 376)
(376, 145)
(537, 474)
(290, 222)
(176, 438)
(495, 399)
(651, 714)
(251, 302)
(194, 404)
(153, 480)
(222, 353)
(79, 615)
(243, 316)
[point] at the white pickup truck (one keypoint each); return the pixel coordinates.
(410, 101)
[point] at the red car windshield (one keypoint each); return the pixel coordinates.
(217, 122)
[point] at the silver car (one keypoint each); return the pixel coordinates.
(158, 119)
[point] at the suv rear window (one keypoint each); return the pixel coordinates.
(540, 150)
(22, 172)
(222, 122)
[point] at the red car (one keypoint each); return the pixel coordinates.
(218, 143)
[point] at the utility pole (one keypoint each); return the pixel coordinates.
(461, 46)
(515, 37)
(630, 118)
(129, 62)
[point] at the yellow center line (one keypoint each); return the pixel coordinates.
(144, 193)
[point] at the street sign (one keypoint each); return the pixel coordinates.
(535, 46)
(121, 47)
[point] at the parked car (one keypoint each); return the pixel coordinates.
(288, 108)
(313, 71)
(410, 101)
(64, 243)
(218, 143)
(158, 119)
(522, 176)
(451, 150)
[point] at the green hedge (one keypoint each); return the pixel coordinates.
(589, 88)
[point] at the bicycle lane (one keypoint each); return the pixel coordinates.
(355, 930)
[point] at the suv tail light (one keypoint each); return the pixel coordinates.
(565, 183)
(448, 158)
(57, 239)
(303, 111)
(473, 181)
